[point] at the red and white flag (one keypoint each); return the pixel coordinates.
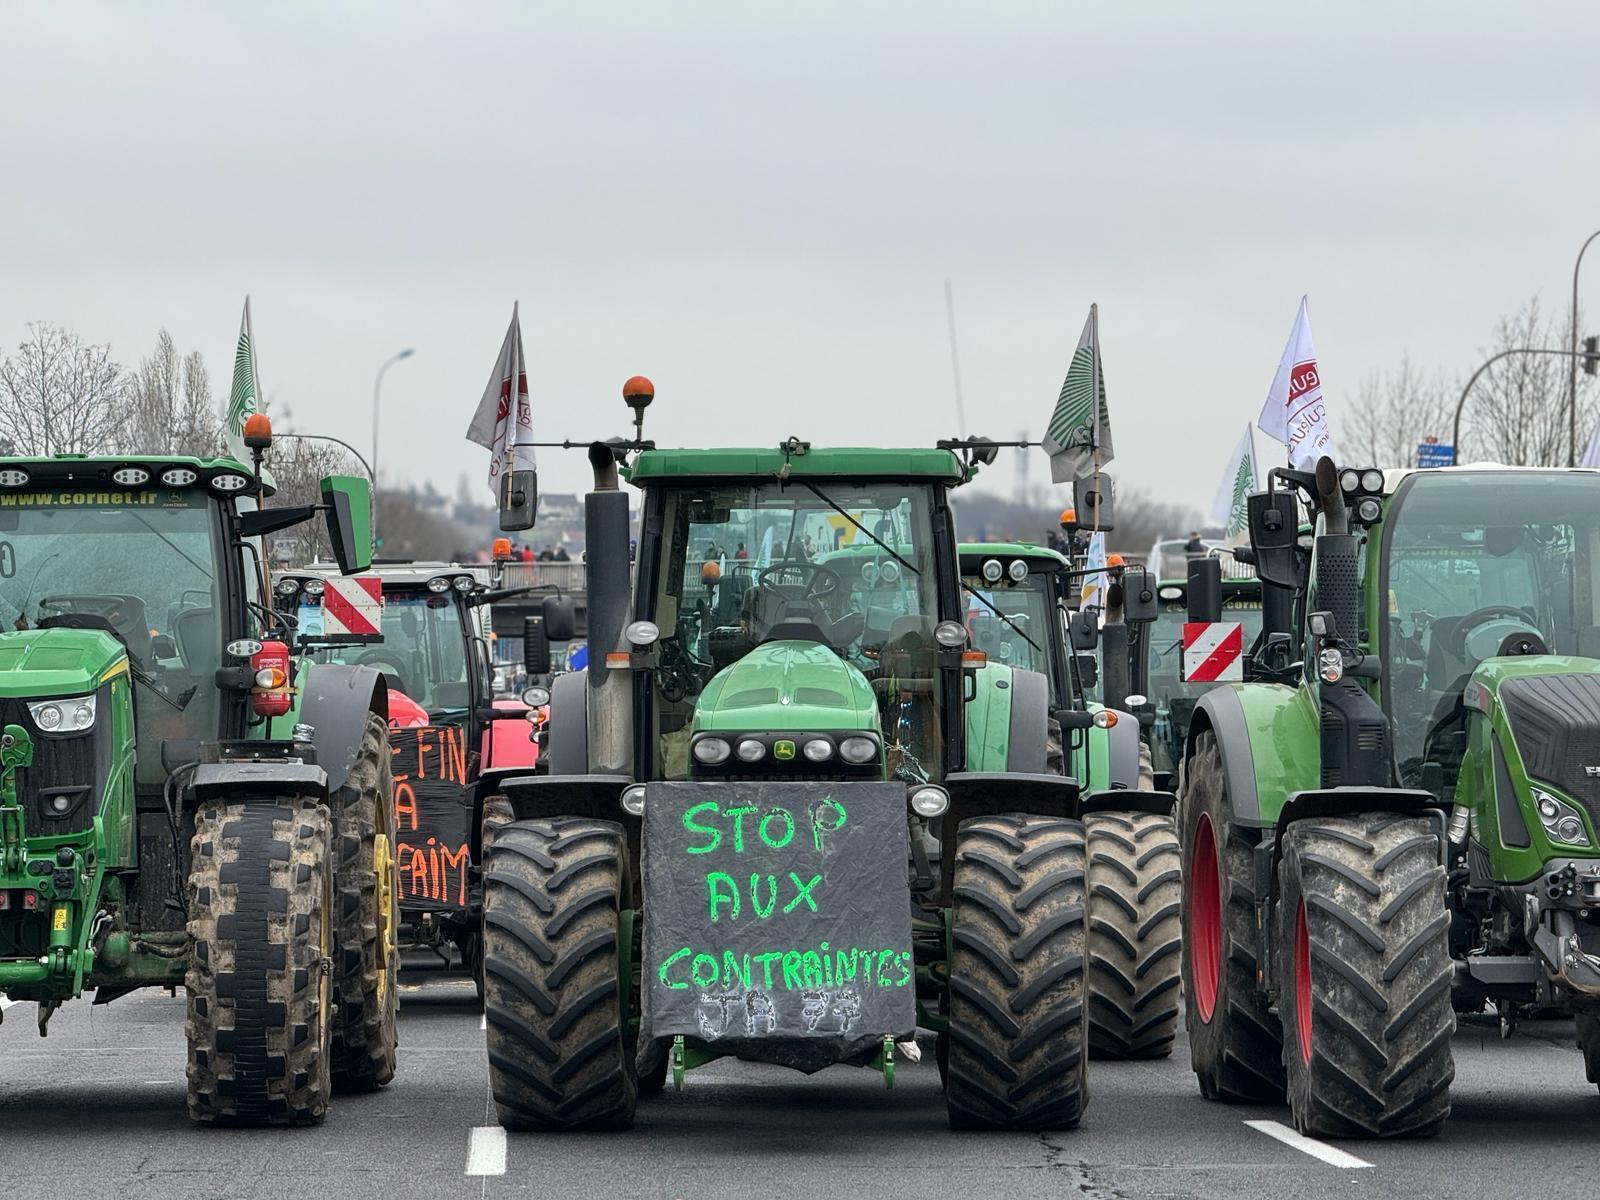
(1295, 412)
(507, 437)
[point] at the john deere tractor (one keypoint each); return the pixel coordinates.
(1018, 612)
(1406, 827)
(791, 813)
(182, 802)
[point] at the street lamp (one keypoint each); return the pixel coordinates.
(1572, 378)
(377, 385)
(1455, 435)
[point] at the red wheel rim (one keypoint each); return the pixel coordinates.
(1302, 982)
(1204, 935)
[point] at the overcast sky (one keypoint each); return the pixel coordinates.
(760, 211)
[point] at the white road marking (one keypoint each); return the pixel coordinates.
(486, 1151)
(5, 1002)
(1328, 1154)
(483, 1021)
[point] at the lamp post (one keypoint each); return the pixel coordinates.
(1572, 377)
(1455, 435)
(377, 386)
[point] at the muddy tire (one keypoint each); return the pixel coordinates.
(1588, 1029)
(1017, 1056)
(260, 1004)
(366, 883)
(1135, 943)
(1235, 1040)
(559, 1055)
(497, 814)
(1363, 935)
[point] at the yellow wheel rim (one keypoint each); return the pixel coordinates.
(383, 868)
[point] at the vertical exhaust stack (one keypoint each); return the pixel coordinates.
(607, 568)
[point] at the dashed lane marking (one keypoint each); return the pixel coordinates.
(1328, 1154)
(483, 1021)
(486, 1151)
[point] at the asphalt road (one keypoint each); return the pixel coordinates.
(97, 1110)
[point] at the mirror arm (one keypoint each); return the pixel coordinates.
(270, 520)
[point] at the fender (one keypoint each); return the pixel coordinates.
(1122, 753)
(1269, 738)
(1007, 721)
(1160, 804)
(567, 741)
(335, 702)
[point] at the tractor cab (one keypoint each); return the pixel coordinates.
(1016, 603)
(1172, 696)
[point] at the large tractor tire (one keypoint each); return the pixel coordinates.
(1588, 1030)
(1363, 936)
(366, 956)
(1017, 1057)
(1235, 1040)
(560, 1057)
(497, 814)
(260, 1004)
(1135, 943)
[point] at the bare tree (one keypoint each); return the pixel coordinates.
(1392, 412)
(60, 395)
(1517, 412)
(170, 408)
(297, 466)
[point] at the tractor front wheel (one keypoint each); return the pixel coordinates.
(559, 1054)
(1588, 1025)
(1135, 892)
(366, 981)
(1235, 1040)
(1017, 1057)
(1363, 939)
(260, 1006)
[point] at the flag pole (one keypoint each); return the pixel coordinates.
(512, 403)
(955, 358)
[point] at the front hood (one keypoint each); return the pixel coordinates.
(799, 686)
(1551, 704)
(57, 662)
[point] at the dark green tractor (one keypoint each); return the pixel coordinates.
(791, 814)
(1019, 612)
(183, 803)
(1404, 827)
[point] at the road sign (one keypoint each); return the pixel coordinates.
(353, 605)
(1213, 651)
(1435, 454)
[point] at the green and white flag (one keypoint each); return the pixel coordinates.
(245, 397)
(1078, 440)
(1229, 509)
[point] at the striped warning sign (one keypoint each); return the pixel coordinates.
(353, 604)
(1213, 651)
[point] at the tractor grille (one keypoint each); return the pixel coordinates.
(61, 762)
(1556, 722)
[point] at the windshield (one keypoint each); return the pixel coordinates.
(1475, 564)
(422, 654)
(140, 565)
(748, 564)
(1024, 643)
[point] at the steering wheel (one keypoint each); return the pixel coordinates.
(1456, 640)
(815, 582)
(118, 608)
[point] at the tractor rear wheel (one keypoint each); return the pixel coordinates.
(1135, 892)
(1363, 935)
(1235, 1040)
(1017, 1057)
(260, 1006)
(366, 983)
(559, 1054)
(1588, 1023)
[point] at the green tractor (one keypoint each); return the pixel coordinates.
(1404, 825)
(183, 803)
(790, 814)
(1021, 596)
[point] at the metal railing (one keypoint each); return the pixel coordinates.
(568, 576)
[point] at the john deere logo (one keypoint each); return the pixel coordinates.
(783, 749)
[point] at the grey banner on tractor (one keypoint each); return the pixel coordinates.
(778, 911)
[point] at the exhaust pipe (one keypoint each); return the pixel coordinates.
(606, 556)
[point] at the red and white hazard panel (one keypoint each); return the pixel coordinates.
(1213, 651)
(353, 605)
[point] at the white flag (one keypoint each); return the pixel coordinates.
(245, 396)
(1078, 438)
(764, 555)
(1591, 456)
(1093, 592)
(507, 438)
(1295, 412)
(1229, 508)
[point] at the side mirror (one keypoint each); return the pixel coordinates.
(1139, 604)
(1088, 671)
(1085, 630)
(1205, 589)
(560, 619)
(1274, 537)
(349, 518)
(519, 500)
(535, 646)
(1092, 501)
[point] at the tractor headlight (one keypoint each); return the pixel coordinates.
(1018, 570)
(992, 570)
(950, 634)
(63, 716)
(818, 750)
(1369, 510)
(1349, 481)
(1560, 820)
(315, 587)
(130, 476)
(1331, 666)
(14, 477)
(179, 476)
(286, 587)
(439, 583)
(858, 750)
(889, 572)
(536, 697)
(929, 801)
(712, 750)
(751, 750)
(229, 482)
(633, 799)
(1372, 481)
(641, 635)
(464, 583)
